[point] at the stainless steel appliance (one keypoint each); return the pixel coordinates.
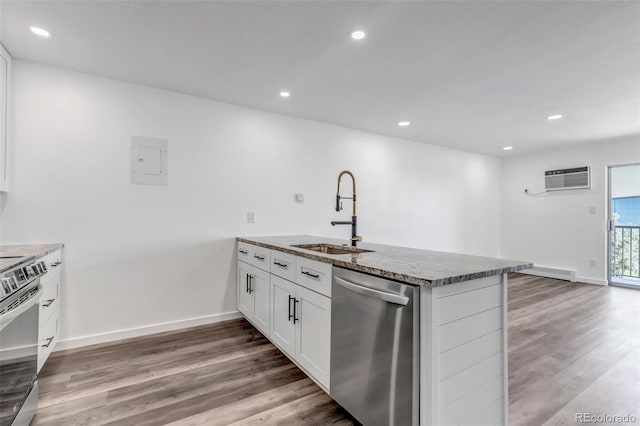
(20, 291)
(374, 348)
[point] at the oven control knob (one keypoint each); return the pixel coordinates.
(27, 272)
(5, 286)
(43, 267)
(10, 283)
(34, 270)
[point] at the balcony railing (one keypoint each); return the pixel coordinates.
(625, 250)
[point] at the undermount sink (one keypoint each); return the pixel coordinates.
(332, 248)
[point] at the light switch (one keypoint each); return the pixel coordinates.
(299, 197)
(149, 161)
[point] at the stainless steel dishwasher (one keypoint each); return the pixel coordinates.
(374, 348)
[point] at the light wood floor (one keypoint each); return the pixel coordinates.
(572, 348)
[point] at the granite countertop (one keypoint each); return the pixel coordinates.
(33, 250)
(410, 265)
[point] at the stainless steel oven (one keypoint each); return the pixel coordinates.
(20, 292)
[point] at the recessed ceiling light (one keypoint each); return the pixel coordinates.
(555, 117)
(285, 94)
(508, 148)
(404, 123)
(40, 32)
(358, 35)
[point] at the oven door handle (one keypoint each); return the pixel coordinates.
(5, 319)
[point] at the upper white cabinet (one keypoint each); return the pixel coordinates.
(5, 110)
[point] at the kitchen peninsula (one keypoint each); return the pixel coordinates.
(342, 314)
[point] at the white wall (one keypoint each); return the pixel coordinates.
(143, 255)
(557, 229)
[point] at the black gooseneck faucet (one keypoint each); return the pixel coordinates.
(354, 218)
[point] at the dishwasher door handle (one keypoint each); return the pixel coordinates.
(377, 294)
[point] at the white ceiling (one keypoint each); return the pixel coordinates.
(474, 75)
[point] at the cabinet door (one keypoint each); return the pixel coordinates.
(283, 330)
(49, 301)
(245, 297)
(47, 338)
(261, 291)
(313, 333)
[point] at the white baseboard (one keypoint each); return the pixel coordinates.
(111, 336)
(550, 272)
(561, 274)
(596, 281)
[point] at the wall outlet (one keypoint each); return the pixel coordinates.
(592, 263)
(298, 197)
(251, 217)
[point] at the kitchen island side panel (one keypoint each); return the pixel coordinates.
(464, 347)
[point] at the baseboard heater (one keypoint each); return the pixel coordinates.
(560, 274)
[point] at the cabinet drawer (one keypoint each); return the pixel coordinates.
(52, 274)
(47, 338)
(314, 275)
(260, 257)
(49, 301)
(283, 265)
(244, 251)
(53, 260)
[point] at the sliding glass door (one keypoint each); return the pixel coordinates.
(624, 225)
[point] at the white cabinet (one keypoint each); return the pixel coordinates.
(49, 314)
(314, 275)
(262, 302)
(283, 329)
(254, 295)
(301, 326)
(313, 333)
(245, 298)
(295, 316)
(5, 111)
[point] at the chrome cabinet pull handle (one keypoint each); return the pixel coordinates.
(49, 340)
(258, 257)
(48, 303)
(246, 287)
(290, 314)
(316, 276)
(243, 251)
(282, 265)
(251, 277)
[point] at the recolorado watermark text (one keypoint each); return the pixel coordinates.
(605, 418)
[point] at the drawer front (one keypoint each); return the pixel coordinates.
(47, 338)
(52, 274)
(244, 251)
(53, 260)
(260, 257)
(314, 275)
(50, 299)
(283, 265)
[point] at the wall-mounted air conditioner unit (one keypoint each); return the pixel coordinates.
(576, 178)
